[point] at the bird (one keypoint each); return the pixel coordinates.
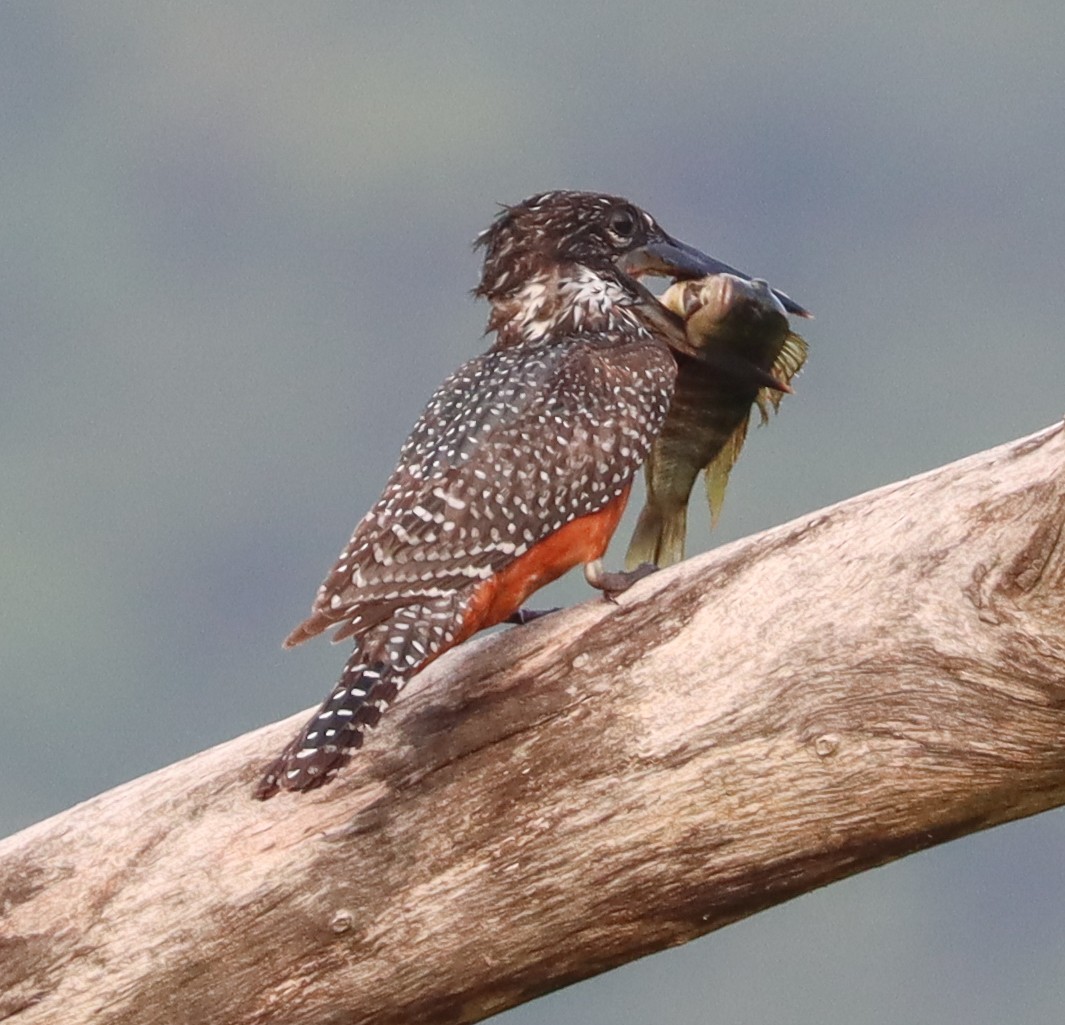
(518, 469)
(747, 356)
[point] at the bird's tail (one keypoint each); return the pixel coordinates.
(659, 535)
(325, 744)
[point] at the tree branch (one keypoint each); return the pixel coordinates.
(539, 806)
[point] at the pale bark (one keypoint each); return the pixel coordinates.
(542, 805)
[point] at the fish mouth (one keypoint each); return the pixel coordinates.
(670, 258)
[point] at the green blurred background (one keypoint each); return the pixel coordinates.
(236, 262)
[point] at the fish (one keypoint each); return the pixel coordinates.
(740, 355)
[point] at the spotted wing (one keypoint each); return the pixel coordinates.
(510, 448)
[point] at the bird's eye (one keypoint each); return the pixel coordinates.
(621, 225)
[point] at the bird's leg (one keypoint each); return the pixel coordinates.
(613, 584)
(523, 616)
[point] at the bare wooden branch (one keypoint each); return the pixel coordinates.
(543, 805)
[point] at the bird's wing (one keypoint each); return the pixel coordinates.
(510, 448)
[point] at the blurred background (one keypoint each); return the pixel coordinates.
(236, 262)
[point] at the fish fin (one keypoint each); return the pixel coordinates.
(658, 537)
(719, 468)
(671, 539)
(786, 366)
(644, 544)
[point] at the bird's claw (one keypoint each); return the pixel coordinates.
(523, 616)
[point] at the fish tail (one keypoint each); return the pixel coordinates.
(658, 537)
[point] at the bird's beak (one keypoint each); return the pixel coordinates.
(671, 258)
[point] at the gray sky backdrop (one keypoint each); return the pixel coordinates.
(236, 262)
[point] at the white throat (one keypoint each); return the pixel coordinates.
(577, 301)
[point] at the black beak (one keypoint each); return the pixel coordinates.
(670, 258)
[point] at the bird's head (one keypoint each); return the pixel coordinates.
(607, 236)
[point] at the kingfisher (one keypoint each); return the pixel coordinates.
(518, 469)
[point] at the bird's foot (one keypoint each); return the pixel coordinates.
(523, 616)
(613, 584)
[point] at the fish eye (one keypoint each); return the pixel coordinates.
(621, 225)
